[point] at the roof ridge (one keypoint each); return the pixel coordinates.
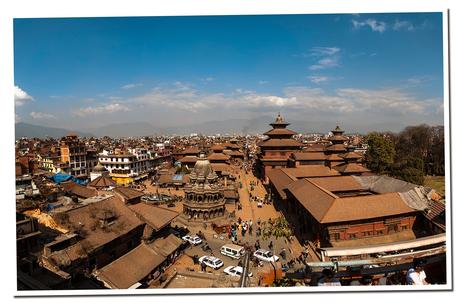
(289, 174)
(322, 188)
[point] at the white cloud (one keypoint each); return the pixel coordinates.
(17, 118)
(376, 26)
(178, 102)
(262, 82)
(324, 51)
(318, 79)
(41, 116)
(417, 80)
(328, 57)
(101, 109)
(403, 25)
(325, 63)
(207, 79)
(362, 101)
(132, 85)
(21, 97)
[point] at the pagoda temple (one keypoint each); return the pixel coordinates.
(336, 149)
(204, 197)
(276, 150)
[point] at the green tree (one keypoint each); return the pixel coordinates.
(410, 170)
(425, 142)
(278, 229)
(380, 153)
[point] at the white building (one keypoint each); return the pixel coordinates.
(129, 166)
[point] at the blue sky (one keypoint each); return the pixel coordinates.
(362, 69)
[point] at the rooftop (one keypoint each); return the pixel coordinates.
(156, 217)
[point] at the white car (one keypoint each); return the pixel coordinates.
(265, 255)
(212, 262)
(192, 239)
(235, 271)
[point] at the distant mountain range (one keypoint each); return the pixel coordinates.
(38, 131)
(258, 125)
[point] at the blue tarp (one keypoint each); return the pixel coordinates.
(177, 177)
(61, 177)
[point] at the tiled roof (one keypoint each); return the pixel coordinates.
(336, 147)
(351, 168)
(218, 157)
(310, 156)
(156, 217)
(351, 155)
(308, 171)
(280, 142)
(280, 179)
(87, 218)
(130, 268)
(217, 147)
(79, 190)
(189, 159)
(102, 181)
(326, 207)
(166, 246)
(339, 183)
(127, 193)
(280, 131)
(220, 167)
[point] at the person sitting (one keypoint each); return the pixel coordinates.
(328, 278)
(416, 275)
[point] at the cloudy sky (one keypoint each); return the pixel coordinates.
(380, 70)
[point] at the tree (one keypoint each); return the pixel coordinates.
(279, 228)
(410, 170)
(425, 142)
(380, 153)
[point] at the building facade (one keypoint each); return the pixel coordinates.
(127, 167)
(73, 154)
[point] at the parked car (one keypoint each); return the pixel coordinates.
(212, 262)
(192, 239)
(233, 251)
(235, 271)
(265, 255)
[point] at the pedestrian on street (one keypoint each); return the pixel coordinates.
(203, 266)
(250, 230)
(283, 254)
(258, 221)
(270, 246)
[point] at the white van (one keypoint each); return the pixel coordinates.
(233, 251)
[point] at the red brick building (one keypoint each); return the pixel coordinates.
(339, 208)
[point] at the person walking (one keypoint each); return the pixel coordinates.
(270, 245)
(203, 267)
(257, 245)
(416, 275)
